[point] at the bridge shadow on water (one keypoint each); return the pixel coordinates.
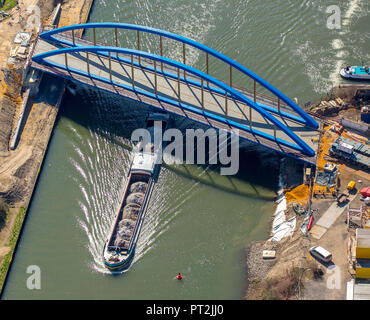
(115, 118)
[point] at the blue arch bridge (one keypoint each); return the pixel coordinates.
(173, 85)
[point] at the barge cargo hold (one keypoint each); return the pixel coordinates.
(120, 247)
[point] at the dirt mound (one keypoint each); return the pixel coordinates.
(126, 223)
(13, 78)
(7, 113)
(15, 192)
(135, 198)
(124, 234)
(23, 171)
(47, 8)
(298, 194)
(131, 211)
(120, 242)
(138, 187)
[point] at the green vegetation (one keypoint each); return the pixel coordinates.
(8, 4)
(12, 242)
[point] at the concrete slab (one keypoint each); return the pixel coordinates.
(350, 287)
(317, 232)
(361, 291)
(329, 217)
(333, 212)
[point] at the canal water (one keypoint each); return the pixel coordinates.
(198, 221)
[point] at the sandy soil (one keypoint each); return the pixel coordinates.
(75, 12)
(290, 253)
(294, 253)
(11, 26)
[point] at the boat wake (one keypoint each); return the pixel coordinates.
(101, 168)
(99, 178)
(98, 203)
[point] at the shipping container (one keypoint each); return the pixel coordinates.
(363, 268)
(362, 243)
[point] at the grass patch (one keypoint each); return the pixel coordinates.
(12, 242)
(8, 4)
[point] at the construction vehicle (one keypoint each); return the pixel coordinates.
(351, 185)
(357, 146)
(342, 198)
(337, 128)
(351, 152)
(330, 167)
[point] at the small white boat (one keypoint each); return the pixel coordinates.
(356, 72)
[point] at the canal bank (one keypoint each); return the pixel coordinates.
(22, 157)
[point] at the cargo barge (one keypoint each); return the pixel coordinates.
(120, 247)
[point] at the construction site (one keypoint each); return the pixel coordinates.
(326, 206)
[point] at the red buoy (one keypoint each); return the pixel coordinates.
(310, 223)
(179, 276)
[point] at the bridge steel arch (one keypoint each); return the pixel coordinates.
(50, 35)
(301, 145)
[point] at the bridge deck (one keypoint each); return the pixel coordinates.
(170, 88)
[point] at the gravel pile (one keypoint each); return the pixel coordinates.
(130, 214)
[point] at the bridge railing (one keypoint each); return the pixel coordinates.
(233, 65)
(123, 55)
(271, 105)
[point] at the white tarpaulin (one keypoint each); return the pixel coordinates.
(22, 36)
(279, 218)
(280, 227)
(284, 230)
